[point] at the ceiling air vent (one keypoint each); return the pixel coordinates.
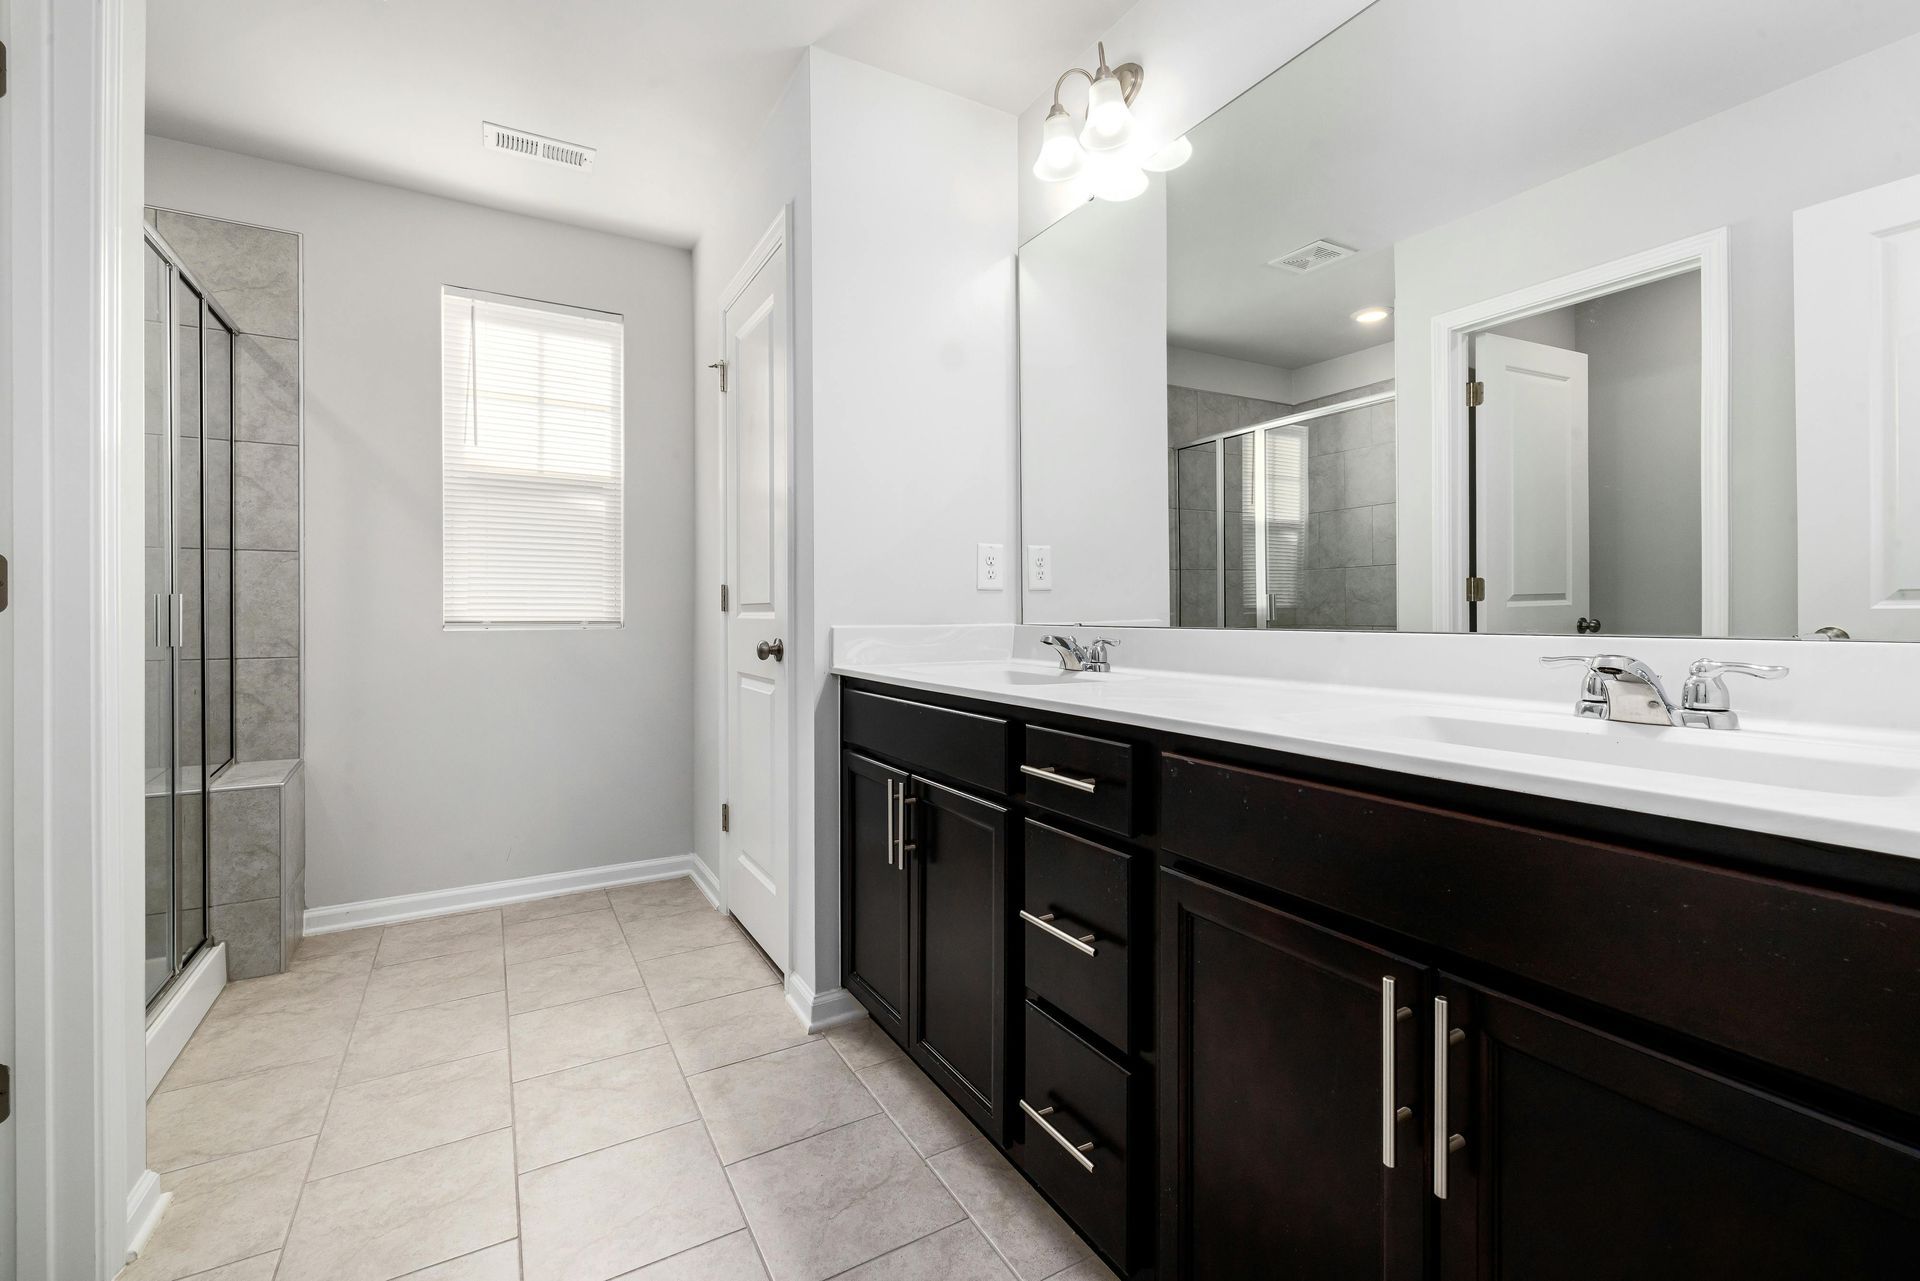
(1310, 257)
(532, 146)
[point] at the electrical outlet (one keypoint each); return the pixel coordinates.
(993, 569)
(1039, 567)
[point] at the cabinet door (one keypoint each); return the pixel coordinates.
(958, 869)
(873, 892)
(1582, 1156)
(1288, 1054)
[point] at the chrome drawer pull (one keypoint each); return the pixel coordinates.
(1084, 943)
(889, 783)
(1078, 1153)
(1391, 1012)
(1065, 780)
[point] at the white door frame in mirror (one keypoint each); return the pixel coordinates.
(1448, 342)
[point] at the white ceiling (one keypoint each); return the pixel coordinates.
(1418, 112)
(671, 91)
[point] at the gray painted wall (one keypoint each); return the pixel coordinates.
(440, 759)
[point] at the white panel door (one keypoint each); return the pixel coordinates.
(758, 749)
(1856, 321)
(1530, 483)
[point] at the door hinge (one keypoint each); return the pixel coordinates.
(3, 584)
(3, 68)
(1476, 395)
(723, 598)
(6, 1091)
(721, 365)
(726, 817)
(1476, 589)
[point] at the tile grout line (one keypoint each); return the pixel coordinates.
(746, 1224)
(286, 1233)
(513, 1123)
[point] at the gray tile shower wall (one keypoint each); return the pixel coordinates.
(1351, 492)
(254, 273)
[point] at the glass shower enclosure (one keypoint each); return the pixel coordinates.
(1240, 549)
(189, 583)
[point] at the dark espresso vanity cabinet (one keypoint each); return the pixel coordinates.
(1243, 1015)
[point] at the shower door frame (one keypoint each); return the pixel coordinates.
(178, 273)
(1263, 600)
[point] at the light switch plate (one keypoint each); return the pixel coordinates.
(993, 567)
(1039, 567)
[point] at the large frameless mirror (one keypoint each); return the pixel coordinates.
(1486, 315)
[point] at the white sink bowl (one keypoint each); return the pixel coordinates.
(1730, 756)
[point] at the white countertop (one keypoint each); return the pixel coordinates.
(1848, 785)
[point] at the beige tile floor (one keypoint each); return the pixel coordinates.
(605, 1086)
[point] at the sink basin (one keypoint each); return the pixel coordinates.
(1732, 756)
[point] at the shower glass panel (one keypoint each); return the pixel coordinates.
(190, 585)
(159, 645)
(1283, 518)
(1197, 591)
(1241, 534)
(1239, 542)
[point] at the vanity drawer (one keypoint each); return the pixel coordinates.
(1817, 982)
(964, 746)
(1075, 914)
(1091, 779)
(1082, 1098)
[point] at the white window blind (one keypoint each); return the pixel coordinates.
(531, 452)
(1286, 500)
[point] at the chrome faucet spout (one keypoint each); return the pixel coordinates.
(1073, 657)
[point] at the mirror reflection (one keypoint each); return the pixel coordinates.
(1483, 315)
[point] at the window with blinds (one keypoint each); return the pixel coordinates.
(1286, 515)
(531, 452)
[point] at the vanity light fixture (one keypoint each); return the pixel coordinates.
(1103, 149)
(1372, 315)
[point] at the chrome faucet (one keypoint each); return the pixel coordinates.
(1619, 688)
(1075, 657)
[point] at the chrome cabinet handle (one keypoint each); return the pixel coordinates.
(1444, 1144)
(903, 846)
(1391, 1012)
(889, 783)
(1082, 944)
(776, 649)
(1077, 1151)
(1065, 780)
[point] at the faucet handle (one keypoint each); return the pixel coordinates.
(1706, 692)
(1566, 660)
(1717, 667)
(1704, 699)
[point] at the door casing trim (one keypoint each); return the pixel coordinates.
(1447, 345)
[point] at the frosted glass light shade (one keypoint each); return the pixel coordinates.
(1109, 123)
(1114, 175)
(1169, 157)
(1060, 155)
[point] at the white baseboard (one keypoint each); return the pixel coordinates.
(709, 886)
(145, 1204)
(822, 1010)
(192, 996)
(467, 898)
